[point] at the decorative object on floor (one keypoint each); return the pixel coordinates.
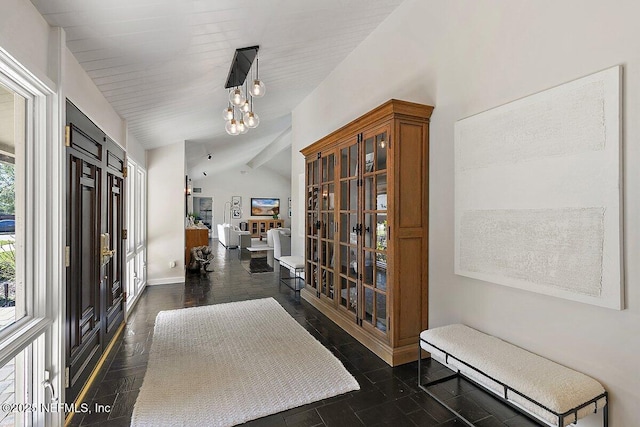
(239, 113)
(538, 192)
(545, 390)
(201, 257)
(244, 360)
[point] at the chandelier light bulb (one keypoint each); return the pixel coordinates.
(251, 119)
(242, 127)
(236, 97)
(231, 127)
(257, 89)
(227, 113)
(246, 106)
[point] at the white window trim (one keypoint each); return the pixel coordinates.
(44, 271)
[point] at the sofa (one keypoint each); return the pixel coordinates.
(229, 235)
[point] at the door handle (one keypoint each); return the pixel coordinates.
(105, 252)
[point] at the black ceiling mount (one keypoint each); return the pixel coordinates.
(240, 66)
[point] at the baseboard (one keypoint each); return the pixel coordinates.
(166, 281)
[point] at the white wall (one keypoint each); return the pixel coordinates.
(25, 35)
(165, 214)
(80, 89)
(466, 57)
(135, 151)
(258, 182)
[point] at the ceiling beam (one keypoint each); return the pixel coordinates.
(280, 143)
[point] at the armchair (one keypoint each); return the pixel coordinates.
(229, 235)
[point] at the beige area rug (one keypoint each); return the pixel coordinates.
(226, 364)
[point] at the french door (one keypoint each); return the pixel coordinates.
(95, 223)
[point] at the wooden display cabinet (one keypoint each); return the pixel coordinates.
(366, 228)
(258, 227)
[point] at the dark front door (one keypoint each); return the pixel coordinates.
(95, 196)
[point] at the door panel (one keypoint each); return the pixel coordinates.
(83, 275)
(95, 221)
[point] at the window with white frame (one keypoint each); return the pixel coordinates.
(25, 279)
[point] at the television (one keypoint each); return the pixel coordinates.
(264, 206)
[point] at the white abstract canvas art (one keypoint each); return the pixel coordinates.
(538, 192)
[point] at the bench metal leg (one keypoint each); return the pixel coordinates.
(605, 414)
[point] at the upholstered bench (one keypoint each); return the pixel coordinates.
(542, 389)
(295, 265)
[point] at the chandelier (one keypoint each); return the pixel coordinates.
(243, 87)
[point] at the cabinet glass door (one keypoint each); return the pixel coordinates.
(327, 225)
(374, 230)
(312, 224)
(348, 234)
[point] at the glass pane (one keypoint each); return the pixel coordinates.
(381, 233)
(314, 276)
(368, 155)
(12, 138)
(315, 173)
(329, 260)
(381, 192)
(353, 263)
(368, 305)
(353, 297)
(344, 228)
(344, 259)
(369, 197)
(344, 195)
(330, 227)
(381, 272)
(330, 169)
(353, 194)
(368, 231)
(332, 191)
(324, 225)
(344, 163)
(381, 312)
(381, 149)
(330, 283)
(344, 298)
(324, 169)
(353, 160)
(312, 198)
(325, 198)
(368, 267)
(14, 380)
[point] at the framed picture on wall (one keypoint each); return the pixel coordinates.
(236, 212)
(236, 201)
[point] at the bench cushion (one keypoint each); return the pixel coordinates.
(555, 386)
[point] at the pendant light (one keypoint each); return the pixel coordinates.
(231, 126)
(257, 87)
(241, 74)
(250, 118)
(236, 97)
(242, 127)
(246, 105)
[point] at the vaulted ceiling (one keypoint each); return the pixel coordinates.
(162, 64)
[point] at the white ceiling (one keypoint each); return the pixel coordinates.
(162, 64)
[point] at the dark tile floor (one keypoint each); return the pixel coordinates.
(387, 396)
